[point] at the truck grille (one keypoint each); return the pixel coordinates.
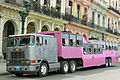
(17, 55)
(18, 62)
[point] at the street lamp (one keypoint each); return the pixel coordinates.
(24, 14)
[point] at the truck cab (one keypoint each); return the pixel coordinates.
(32, 53)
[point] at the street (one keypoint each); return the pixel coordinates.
(93, 73)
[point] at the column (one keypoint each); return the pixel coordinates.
(96, 18)
(52, 27)
(101, 20)
(106, 22)
(63, 6)
(42, 2)
(1, 37)
(40, 26)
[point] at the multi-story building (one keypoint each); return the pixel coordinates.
(113, 17)
(78, 12)
(98, 18)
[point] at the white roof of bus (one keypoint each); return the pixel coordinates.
(30, 34)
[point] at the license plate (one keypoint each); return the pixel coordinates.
(17, 67)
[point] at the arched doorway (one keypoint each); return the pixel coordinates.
(9, 29)
(31, 28)
(44, 28)
(57, 29)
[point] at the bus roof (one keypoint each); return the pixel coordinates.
(30, 35)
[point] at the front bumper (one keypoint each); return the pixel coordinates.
(32, 69)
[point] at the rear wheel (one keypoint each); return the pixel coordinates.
(43, 71)
(72, 66)
(106, 62)
(64, 67)
(109, 62)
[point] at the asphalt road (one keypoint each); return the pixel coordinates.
(93, 73)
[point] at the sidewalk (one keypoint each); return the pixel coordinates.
(3, 69)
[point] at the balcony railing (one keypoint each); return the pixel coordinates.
(113, 9)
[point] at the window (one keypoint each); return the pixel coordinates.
(99, 49)
(85, 10)
(65, 39)
(45, 42)
(85, 49)
(39, 41)
(79, 41)
(70, 3)
(95, 49)
(90, 49)
(72, 41)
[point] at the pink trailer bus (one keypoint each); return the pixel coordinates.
(56, 51)
(75, 50)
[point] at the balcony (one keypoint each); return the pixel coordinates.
(113, 9)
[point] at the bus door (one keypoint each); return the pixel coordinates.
(39, 48)
(88, 55)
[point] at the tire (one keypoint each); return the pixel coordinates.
(43, 70)
(64, 67)
(72, 66)
(106, 62)
(109, 62)
(19, 75)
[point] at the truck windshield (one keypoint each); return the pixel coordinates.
(20, 41)
(12, 42)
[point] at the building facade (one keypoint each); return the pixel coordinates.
(79, 13)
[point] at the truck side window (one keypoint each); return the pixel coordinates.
(45, 42)
(39, 41)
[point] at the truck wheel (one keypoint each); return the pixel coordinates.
(64, 67)
(72, 66)
(43, 71)
(106, 62)
(109, 62)
(19, 75)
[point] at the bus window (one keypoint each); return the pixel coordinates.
(109, 47)
(85, 49)
(95, 49)
(79, 41)
(99, 49)
(90, 49)
(65, 39)
(72, 41)
(63, 42)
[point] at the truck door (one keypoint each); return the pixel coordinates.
(39, 48)
(50, 49)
